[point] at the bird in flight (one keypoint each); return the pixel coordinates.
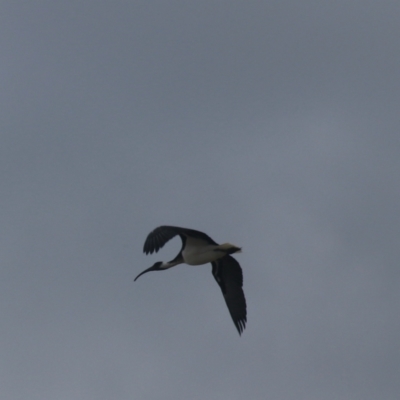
(198, 248)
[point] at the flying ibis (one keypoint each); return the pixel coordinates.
(197, 249)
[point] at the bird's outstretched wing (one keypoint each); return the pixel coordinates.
(161, 235)
(229, 276)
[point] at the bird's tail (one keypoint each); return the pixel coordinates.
(230, 248)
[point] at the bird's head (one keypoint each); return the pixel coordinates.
(156, 267)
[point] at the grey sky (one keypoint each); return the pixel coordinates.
(272, 125)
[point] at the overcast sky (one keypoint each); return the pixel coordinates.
(271, 125)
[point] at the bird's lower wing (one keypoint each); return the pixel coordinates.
(229, 276)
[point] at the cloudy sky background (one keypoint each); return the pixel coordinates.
(272, 125)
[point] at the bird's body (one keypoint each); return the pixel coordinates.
(197, 249)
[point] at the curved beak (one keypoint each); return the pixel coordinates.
(153, 268)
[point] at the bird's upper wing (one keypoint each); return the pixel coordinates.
(229, 276)
(161, 235)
